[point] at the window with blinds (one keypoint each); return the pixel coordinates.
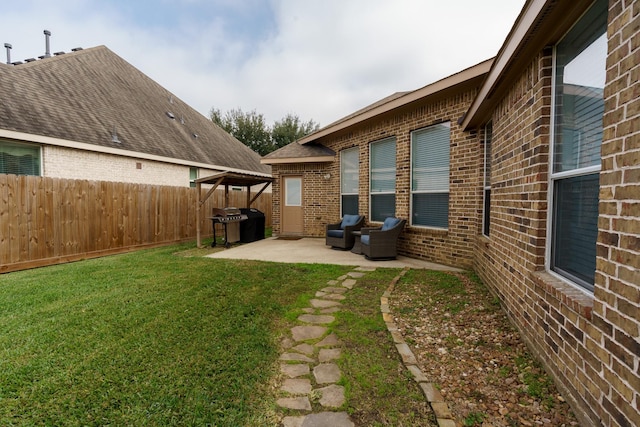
(193, 175)
(430, 176)
(579, 78)
(486, 194)
(382, 180)
(19, 159)
(349, 180)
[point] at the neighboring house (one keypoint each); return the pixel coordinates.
(89, 114)
(525, 169)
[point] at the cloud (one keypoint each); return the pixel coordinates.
(319, 59)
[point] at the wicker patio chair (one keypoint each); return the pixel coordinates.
(339, 235)
(382, 242)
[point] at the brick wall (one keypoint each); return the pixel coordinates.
(317, 201)
(614, 337)
(322, 196)
(590, 343)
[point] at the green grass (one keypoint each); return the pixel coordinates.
(147, 338)
(380, 391)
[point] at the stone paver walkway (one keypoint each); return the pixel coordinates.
(307, 363)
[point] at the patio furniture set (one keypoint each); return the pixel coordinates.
(376, 243)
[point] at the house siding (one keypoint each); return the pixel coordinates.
(62, 162)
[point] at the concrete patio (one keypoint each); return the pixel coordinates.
(314, 251)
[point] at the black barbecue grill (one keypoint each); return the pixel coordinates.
(225, 216)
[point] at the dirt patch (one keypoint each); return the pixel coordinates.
(467, 347)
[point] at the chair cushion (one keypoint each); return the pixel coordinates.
(335, 233)
(389, 223)
(365, 239)
(349, 220)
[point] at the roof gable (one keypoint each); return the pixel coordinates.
(93, 96)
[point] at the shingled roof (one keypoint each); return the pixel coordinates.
(88, 95)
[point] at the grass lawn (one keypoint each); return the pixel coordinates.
(148, 338)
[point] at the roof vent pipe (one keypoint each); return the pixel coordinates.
(8, 46)
(47, 52)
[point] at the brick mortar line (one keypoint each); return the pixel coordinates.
(431, 393)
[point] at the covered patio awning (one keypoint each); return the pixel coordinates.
(234, 179)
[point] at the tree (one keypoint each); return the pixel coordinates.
(251, 129)
(290, 129)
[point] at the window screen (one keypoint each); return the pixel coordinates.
(579, 75)
(430, 176)
(383, 179)
(19, 159)
(349, 180)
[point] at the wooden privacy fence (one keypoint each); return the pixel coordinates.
(47, 221)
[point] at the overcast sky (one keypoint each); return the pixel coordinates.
(319, 59)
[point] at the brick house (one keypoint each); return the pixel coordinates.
(524, 168)
(89, 114)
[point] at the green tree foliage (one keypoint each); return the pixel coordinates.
(290, 129)
(252, 130)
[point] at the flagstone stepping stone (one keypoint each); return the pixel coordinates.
(293, 371)
(304, 333)
(304, 349)
(286, 343)
(321, 303)
(365, 269)
(349, 283)
(341, 278)
(296, 357)
(309, 310)
(334, 290)
(329, 310)
(329, 341)
(297, 386)
(324, 419)
(317, 319)
(326, 373)
(292, 421)
(355, 275)
(332, 396)
(328, 354)
(336, 297)
(299, 403)
(332, 282)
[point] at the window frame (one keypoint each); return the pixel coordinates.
(486, 184)
(437, 191)
(558, 177)
(192, 180)
(355, 149)
(372, 194)
(20, 144)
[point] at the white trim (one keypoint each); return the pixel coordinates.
(318, 159)
(46, 140)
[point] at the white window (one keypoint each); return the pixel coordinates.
(430, 176)
(486, 193)
(383, 179)
(193, 175)
(579, 77)
(293, 191)
(19, 159)
(349, 179)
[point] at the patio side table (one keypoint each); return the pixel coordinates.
(357, 245)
